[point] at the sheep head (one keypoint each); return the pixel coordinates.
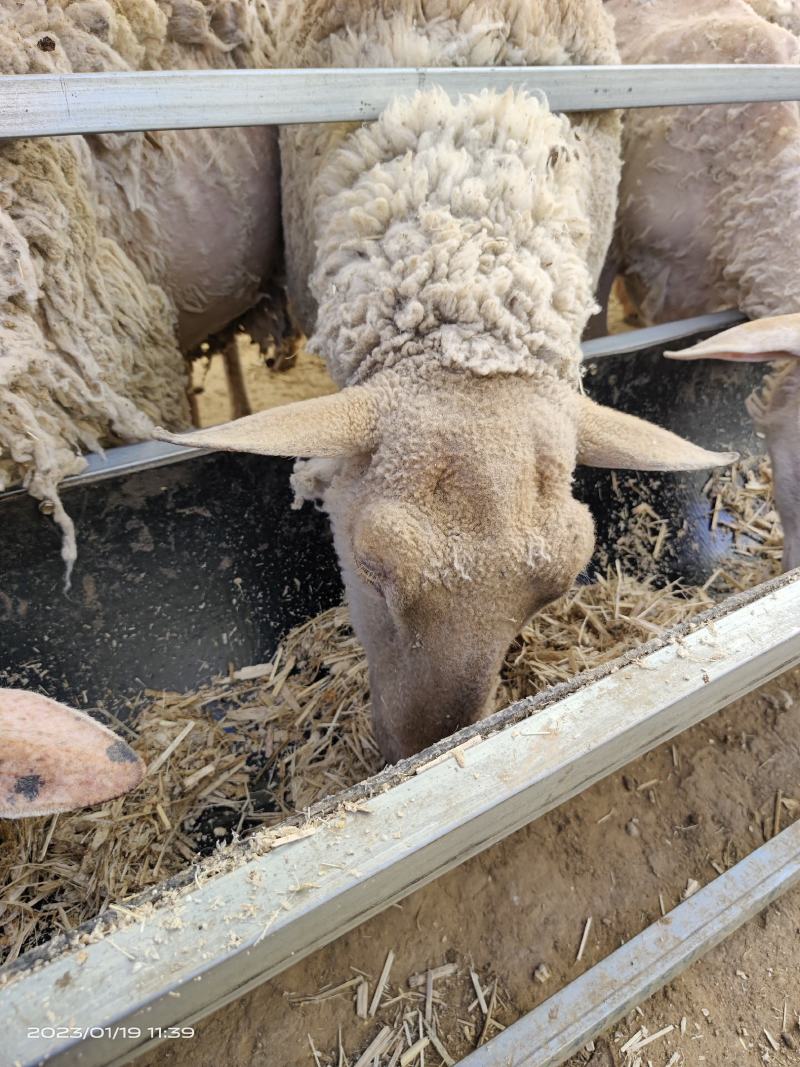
(451, 503)
(775, 410)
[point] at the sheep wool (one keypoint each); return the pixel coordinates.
(456, 232)
(729, 239)
(785, 13)
(90, 350)
(468, 233)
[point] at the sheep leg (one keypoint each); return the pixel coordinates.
(240, 405)
(630, 312)
(285, 351)
(597, 326)
(194, 407)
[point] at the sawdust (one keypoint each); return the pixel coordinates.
(742, 510)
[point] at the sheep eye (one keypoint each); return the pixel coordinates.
(371, 572)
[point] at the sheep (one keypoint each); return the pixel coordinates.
(784, 13)
(445, 257)
(54, 758)
(710, 207)
(121, 252)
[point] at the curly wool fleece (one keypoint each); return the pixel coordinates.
(458, 232)
(484, 216)
(730, 238)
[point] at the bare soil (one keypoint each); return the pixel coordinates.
(265, 388)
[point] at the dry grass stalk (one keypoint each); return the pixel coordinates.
(771, 1039)
(584, 938)
(487, 1022)
(376, 1000)
(404, 1036)
(415, 1052)
(481, 1000)
(648, 1040)
(362, 999)
(444, 1055)
(417, 981)
(250, 749)
(776, 817)
(377, 1047)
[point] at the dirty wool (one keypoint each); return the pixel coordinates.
(271, 739)
(90, 299)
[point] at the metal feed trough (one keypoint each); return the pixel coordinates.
(172, 617)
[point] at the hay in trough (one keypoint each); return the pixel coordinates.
(271, 739)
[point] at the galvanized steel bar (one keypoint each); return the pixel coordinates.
(37, 105)
(562, 1025)
(220, 937)
(622, 344)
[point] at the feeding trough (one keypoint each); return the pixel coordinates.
(191, 562)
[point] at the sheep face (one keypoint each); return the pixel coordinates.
(451, 534)
(451, 504)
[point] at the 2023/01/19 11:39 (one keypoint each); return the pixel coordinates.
(84, 1033)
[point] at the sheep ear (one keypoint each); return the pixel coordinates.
(609, 438)
(751, 342)
(54, 758)
(337, 425)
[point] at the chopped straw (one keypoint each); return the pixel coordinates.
(266, 742)
(584, 938)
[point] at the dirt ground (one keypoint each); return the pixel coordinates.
(265, 388)
(621, 853)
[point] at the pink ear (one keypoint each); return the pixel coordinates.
(54, 758)
(752, 342)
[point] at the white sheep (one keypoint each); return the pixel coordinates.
(445, 257)
(709, 212)
(118, 253)
(784, 13)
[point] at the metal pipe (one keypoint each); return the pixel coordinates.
(38, 105)
(148, 455)
(552, 1033)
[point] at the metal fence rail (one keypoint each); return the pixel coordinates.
(558, 1028)
(125, 459)
(36, 105)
